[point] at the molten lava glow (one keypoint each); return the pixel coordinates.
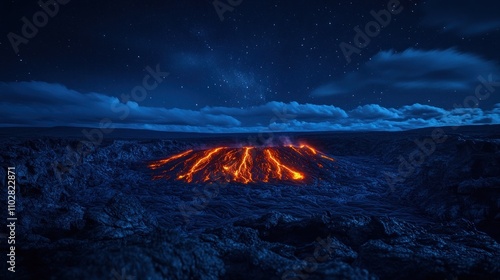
(295, 175)
(162, 162)
(243, 165)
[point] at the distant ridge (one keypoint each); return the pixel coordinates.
(119, 133)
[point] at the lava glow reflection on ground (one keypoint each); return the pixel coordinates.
(243, 164)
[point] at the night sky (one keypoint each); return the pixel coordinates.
(251, 65)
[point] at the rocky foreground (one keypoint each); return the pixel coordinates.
(380, 211)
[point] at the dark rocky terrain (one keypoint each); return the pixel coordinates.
(378, 212)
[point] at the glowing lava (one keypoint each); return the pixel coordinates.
(243, 165)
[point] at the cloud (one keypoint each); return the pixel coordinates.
(413, 70)
(42, 104)
(422, 111)
(374, 111)
(282, 112)
(464, 17)
(437, 77)
(328, 89)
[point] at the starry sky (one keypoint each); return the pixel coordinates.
(241, 65)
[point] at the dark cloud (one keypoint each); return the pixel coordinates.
(42, 103)
(280, 112)
(437, 77)
(422, 111)
(414, 70)
(57, 105)
(328, 89)
(464, 17)
(374, 111)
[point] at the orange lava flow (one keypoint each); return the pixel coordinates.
(159, 163)
(295, 175)
(243, 165)
(199, 164)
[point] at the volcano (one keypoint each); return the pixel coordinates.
(245, 165)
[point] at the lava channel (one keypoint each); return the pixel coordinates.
(244, 165)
